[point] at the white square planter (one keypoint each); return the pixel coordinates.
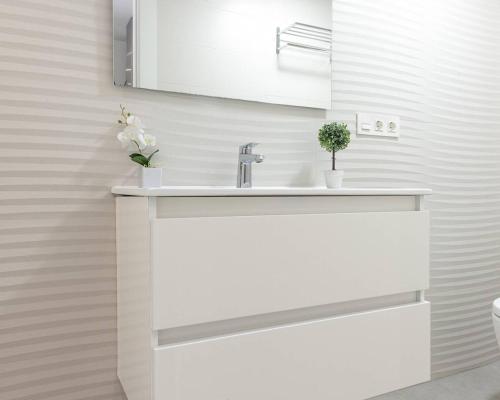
(150, 177)
(334, 178)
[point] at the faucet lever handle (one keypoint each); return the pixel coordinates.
(247, 148)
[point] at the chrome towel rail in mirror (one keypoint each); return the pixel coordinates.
(316, 38)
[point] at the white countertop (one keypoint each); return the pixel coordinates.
(221, 191)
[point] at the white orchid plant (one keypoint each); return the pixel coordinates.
(141, 145)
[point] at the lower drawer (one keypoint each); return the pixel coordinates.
(350, 358)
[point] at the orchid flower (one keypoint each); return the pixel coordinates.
(134, 138)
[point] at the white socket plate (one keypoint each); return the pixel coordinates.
(378, 125)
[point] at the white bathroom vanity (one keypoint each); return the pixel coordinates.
(271, 293)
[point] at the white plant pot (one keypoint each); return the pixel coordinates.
(334, 179)
(151, 177)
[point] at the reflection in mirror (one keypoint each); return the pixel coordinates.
(123, 42)
(273, 51)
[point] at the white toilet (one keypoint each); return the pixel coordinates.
(496, 318)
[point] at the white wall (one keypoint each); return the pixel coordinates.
(463, 152)
(435, 63)
(58, 107)
(147, 43)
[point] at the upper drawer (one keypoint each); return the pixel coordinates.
(217, 268)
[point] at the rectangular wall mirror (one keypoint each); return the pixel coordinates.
(272, 51)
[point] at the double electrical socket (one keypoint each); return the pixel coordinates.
(378, 125)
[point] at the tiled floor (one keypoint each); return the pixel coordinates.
(477, 384)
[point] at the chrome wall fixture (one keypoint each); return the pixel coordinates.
(304, 36)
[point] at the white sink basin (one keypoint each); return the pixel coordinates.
(220, 191)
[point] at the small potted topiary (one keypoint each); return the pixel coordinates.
(334, 137)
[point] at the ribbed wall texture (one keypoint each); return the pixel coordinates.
(435, 67)
(464, 158)
(434, 63)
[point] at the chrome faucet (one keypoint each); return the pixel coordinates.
(245, 160)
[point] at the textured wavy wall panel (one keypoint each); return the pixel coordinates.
(436, 64)
(59, 158)
(57, 260)
(57, 273)
(464, 156)
(379, 67)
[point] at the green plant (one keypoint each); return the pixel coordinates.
(334, 137)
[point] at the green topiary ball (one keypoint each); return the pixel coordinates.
(334, 136)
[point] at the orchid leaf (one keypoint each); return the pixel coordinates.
(151, 155)
(139, 159)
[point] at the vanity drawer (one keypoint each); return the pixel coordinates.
(219, 268)
(350, 358)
